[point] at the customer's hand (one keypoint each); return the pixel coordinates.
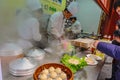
(95, 43)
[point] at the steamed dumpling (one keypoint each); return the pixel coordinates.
(58, 70)
(45, 71)
(53, 74)
(51, 69)
(43, 77)
(63, 75)
(58, 78)
(49, 79)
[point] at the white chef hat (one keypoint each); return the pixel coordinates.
(73, 8)
(33, 4)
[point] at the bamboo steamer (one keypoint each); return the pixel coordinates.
(55, 65)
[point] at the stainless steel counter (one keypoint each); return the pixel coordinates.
(88, 73)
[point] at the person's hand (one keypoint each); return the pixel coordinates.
(95, 43)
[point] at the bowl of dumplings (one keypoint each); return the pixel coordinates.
(53, 71)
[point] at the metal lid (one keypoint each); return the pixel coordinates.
(35, 53)
(10, 49)
(22, 64)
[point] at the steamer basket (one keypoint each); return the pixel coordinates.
(55, 65)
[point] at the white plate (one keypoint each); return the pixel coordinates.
(94, 56)
(98, 57)
(94, 62)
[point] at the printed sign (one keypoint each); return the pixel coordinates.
(51, 6)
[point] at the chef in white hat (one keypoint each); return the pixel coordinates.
(76, 29)
(73, 30)
(29, 28)
(57, 21)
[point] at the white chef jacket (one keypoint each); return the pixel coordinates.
(56, 25)
(29, 31)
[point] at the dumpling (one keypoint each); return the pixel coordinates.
(58, 70)
(51, 69)
(49, 79)
(63, 75)
(43, 77)
(53, 74)
(58, 78)
(45, 71)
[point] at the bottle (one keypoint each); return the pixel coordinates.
(93, 50)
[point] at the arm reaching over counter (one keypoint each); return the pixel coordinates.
(109, 49)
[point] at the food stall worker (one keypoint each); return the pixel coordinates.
(43, 21)
(69, 22)
(111, 50)
(43, 24)
(29, 29)
(57, 20)
(76, 28)
(68, 25)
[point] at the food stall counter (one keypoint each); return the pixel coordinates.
(87, 73)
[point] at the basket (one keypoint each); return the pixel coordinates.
(55, 65)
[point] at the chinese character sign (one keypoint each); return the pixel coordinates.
(51, 6)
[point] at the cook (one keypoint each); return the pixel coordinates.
(29, 28)
(72, 31)
(57, 21)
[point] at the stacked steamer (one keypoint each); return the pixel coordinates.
(22, 67)
(26, 65)
(8, 53)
